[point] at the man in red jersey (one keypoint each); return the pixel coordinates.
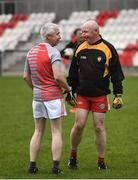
(94, 64)
(43, 74)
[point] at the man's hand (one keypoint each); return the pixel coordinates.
(117, 101)
(70, 98)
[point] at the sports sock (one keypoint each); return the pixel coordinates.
(32, 164)
(73, 153)
(100, 159)
(55, 164)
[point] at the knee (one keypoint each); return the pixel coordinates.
(79, 127)
(99, 129)
(38, 133)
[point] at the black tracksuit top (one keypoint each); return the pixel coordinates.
(93, 67)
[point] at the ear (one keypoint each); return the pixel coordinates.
(48, 36)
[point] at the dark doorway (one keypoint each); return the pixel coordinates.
(9, 8)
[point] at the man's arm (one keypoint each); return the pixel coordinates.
(116, 73)
(63, 83)
(27, 78)
(59, 77)
(117, 77)
(26, 75)
(72, 78)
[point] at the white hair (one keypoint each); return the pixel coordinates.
(48, 28)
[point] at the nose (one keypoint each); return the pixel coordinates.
(83, 35)
(59, 36)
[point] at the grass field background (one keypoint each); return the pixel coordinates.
(16, 129)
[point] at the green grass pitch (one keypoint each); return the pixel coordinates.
(16, 128)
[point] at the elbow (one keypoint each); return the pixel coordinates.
(57, 77)
(24, 77)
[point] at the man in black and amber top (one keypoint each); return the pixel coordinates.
(94, 65)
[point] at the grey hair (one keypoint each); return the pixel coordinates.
(48, 28)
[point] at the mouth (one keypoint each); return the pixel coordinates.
(85, 38)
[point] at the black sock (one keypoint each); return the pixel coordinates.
(32, 164)
(55, 164)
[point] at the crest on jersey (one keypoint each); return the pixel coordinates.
(99, 58)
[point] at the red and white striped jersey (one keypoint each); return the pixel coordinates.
(39, 64)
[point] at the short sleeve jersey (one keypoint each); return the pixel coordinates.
(39, 63)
